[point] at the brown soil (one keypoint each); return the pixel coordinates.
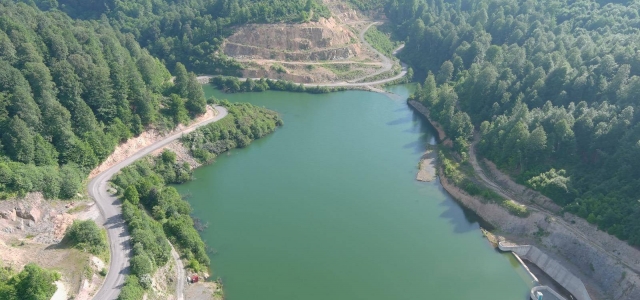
(427, 170)
(23, 240)
(608, 267)
(163, 285)
(203, 291)
(145, 139)
(305, 53)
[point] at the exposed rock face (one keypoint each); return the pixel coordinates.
(9, 214)
(244, 51)
(589, 262)
(616, 276)
(294, 37)
(262, 73)
(33, 213)
(322, 40)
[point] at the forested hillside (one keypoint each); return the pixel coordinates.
(189, 32)
(144, 187)
(70, 91)
(552, 86)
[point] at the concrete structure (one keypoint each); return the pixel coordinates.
(547, 292)
(556, 271)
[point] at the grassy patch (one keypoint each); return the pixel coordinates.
(280, 69)
(78, 208)
(462, 176)
(381, 41)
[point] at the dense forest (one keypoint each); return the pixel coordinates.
(552, 87)
(190, 32)
(70, 91)
(230, 84)
(155, 212)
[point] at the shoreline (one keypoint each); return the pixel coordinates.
(604, 276)
(109, 204)
(147, 138)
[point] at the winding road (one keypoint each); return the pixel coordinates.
(387, 65)
(110, 207)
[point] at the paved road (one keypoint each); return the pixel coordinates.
(112, 214)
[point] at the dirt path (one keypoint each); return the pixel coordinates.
(387, 65)
(180, 274)
(346, 62)
(109, 205)
(490, 183)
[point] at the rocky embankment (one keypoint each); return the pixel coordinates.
(31, 229)
(607, 266)
(322, 40)
(328, 50)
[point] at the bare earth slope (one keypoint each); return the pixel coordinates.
(111, 211)
(606, 264)
(327, 51)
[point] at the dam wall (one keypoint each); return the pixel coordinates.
(556, 271)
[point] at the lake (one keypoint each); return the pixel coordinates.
(328, 207)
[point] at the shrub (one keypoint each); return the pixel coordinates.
(87, 236)
(141, 264)
(34, 283)
(132, 289)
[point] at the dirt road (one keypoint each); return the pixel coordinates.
(490, 183)
(387, 65)
(110, 207)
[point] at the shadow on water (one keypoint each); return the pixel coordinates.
(399, 121)
(463, 219)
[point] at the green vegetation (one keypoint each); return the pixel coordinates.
(33, 283)
(280, 69)
(88, 237)
(368, 5)
(155, 212)
(132, 290)
(552, 87)
(462, 175)
(381, 41)
(345, 71)
(190, 32)
(70, 91)
(234, 85)
(244, 124)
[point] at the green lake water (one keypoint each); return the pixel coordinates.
(328, 207)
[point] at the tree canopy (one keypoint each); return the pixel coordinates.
(70, 91)
(189, 32)
(552, 87)
(33, 283)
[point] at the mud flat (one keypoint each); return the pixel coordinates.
(427, 168)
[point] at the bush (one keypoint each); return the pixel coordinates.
(132, 289)
(33, 283)
(87, 236)
(141, 264)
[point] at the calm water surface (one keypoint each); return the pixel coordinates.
(328, 207)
